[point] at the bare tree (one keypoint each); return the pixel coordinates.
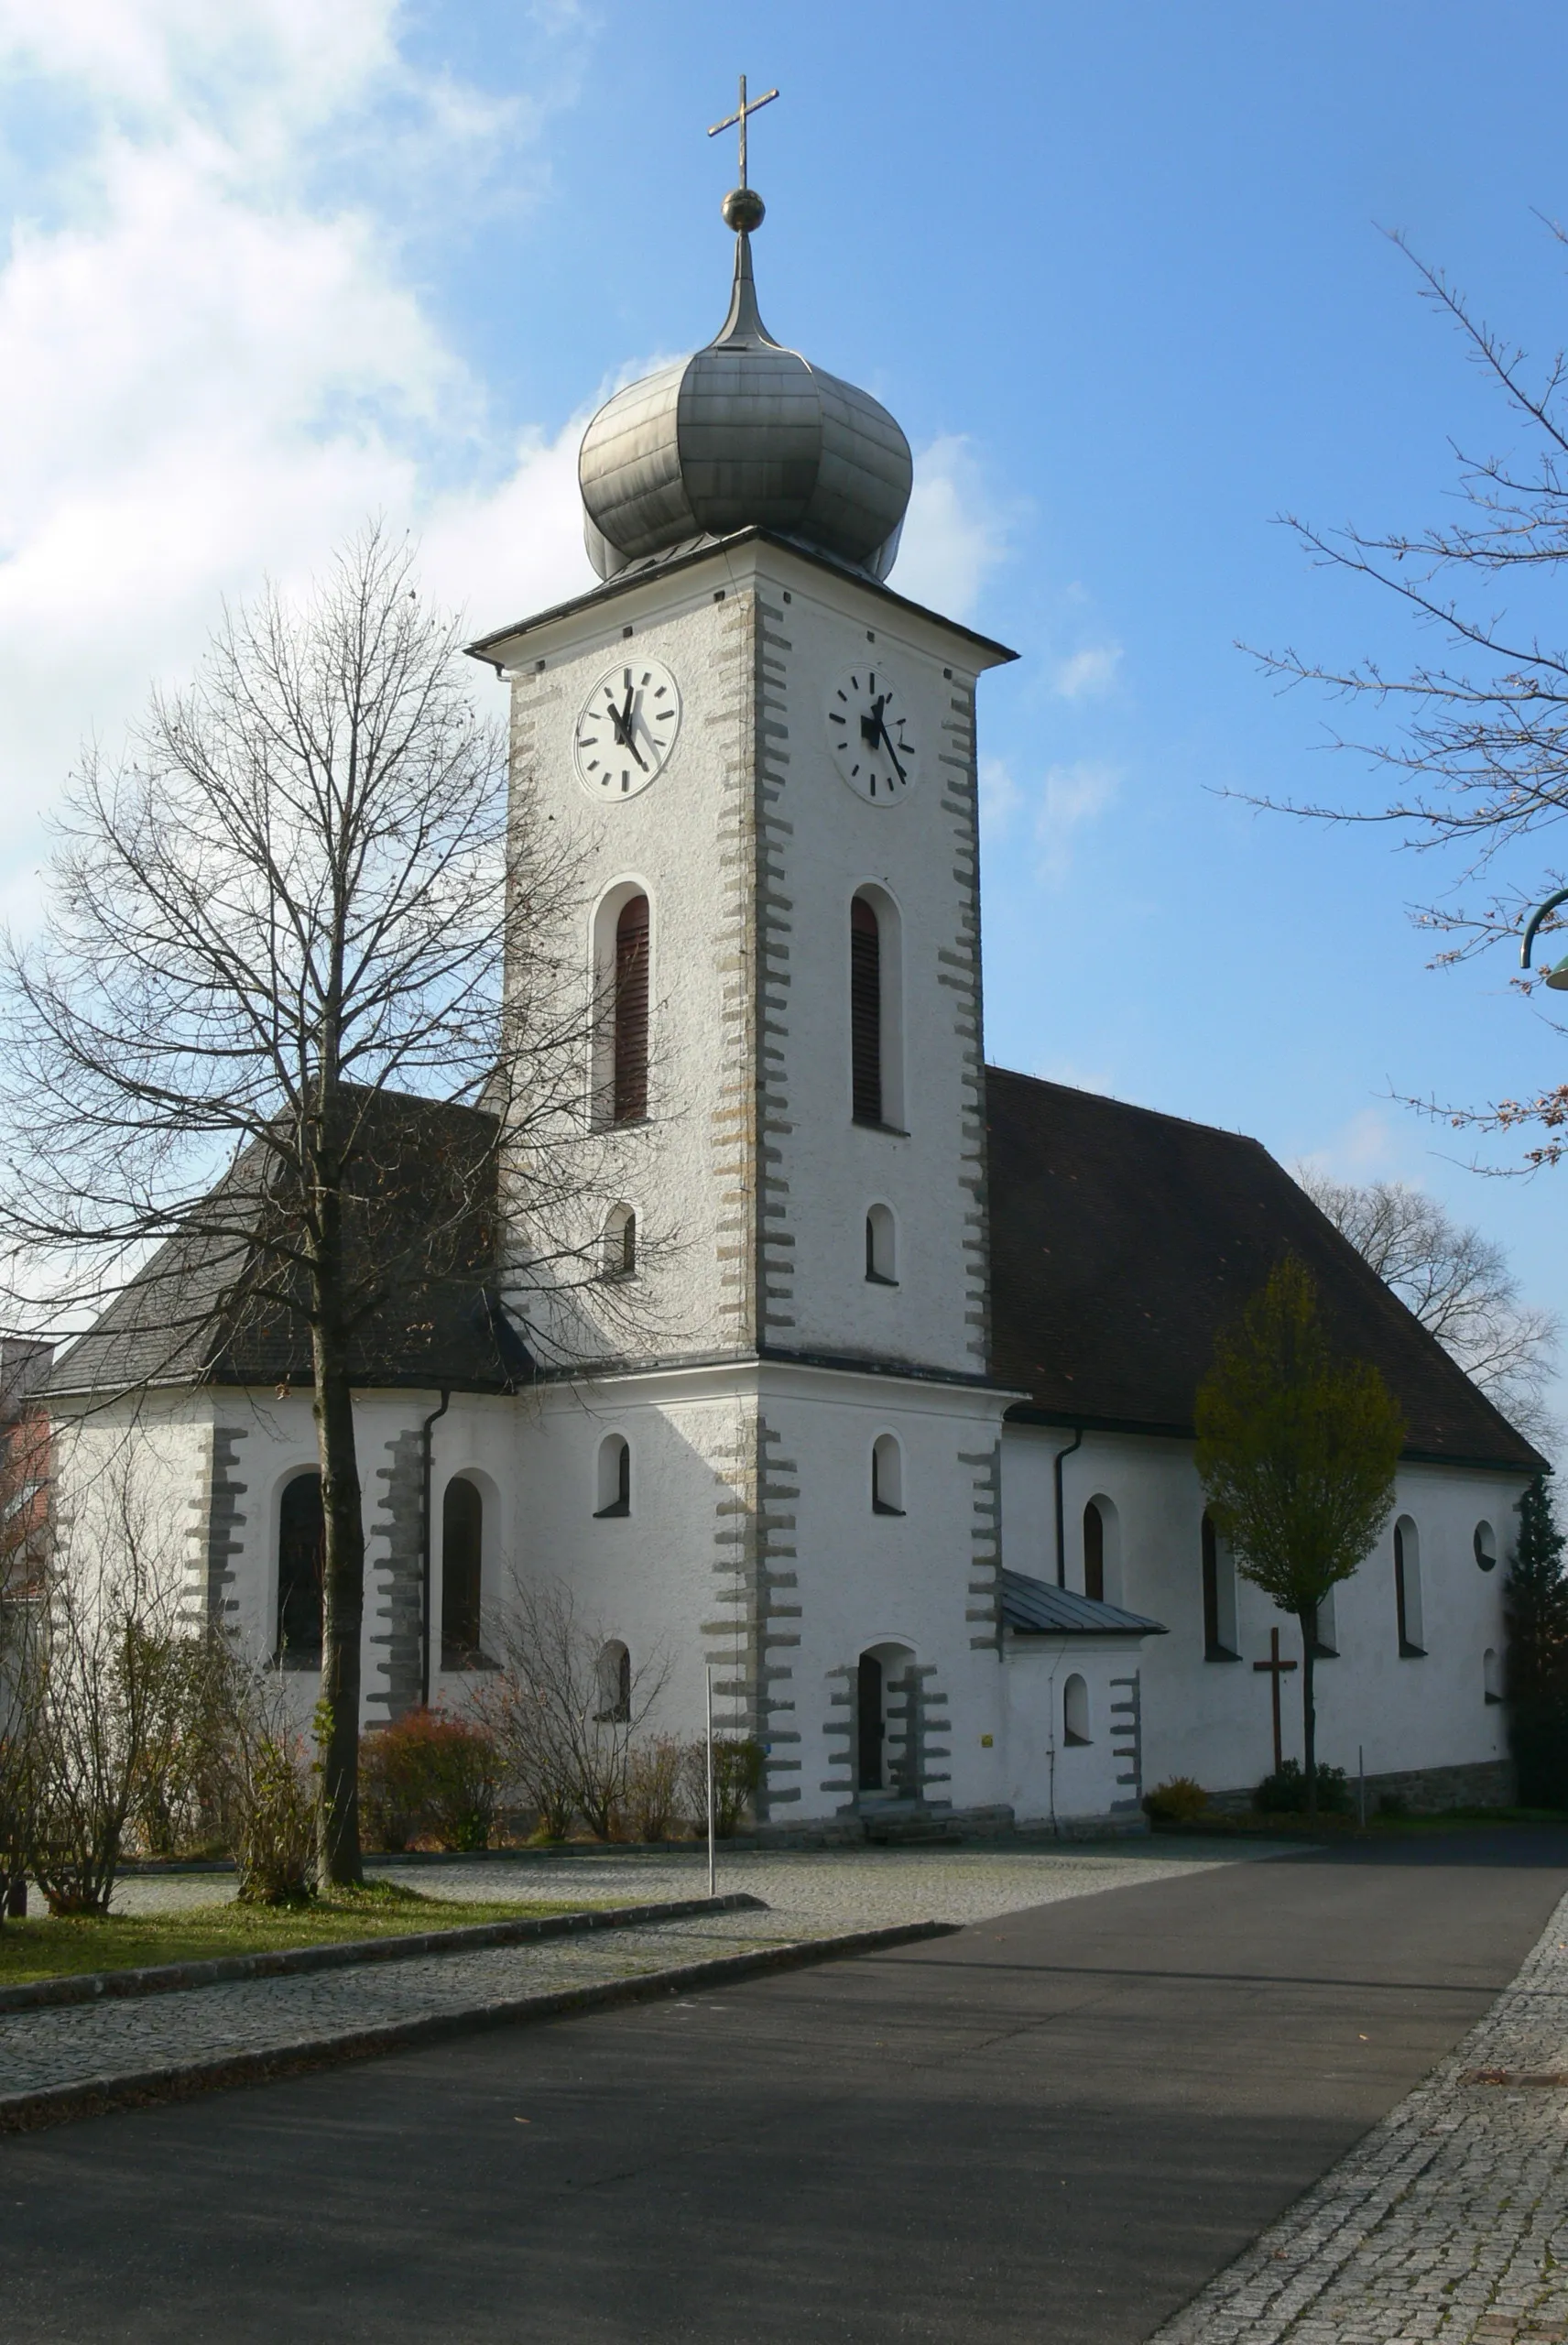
(564, 1706)
(1479, 754)
(299, 909)
(113, 1689)
(1459, 1285)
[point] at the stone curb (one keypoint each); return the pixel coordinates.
(286, 1962)
(96, 2095)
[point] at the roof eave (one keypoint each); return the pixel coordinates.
(485, 646)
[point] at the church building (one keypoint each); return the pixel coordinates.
(909, 1461)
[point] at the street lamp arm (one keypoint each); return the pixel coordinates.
(1536, 918)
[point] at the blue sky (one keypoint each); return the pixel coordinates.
(1119, 270)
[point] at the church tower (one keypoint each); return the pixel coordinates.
(764, 758)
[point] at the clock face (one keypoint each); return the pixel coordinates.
(875, 740)
(627, 728)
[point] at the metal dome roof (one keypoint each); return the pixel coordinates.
(744, 434)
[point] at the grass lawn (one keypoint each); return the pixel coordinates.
(41, 1947)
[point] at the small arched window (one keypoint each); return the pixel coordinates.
(1492, 1675)
(886, 1476)
(615, 1476)
(462, 1550)
(615, 1681)
(301, 1560)
(1408, 1589)
(1075, 1710)
(1219, 1594)
(1484, 1546)
(1094, 1552)
(881, 1247)
(866, 1010)
(630, 1075)
(620, 1244)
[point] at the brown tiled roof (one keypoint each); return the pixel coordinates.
(1123, 1240)
(424, 1210)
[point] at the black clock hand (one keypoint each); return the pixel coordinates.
(888, 743)
(870, 727)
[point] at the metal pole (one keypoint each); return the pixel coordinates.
(712, 1882)
(1360, 1787)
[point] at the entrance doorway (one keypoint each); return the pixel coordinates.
(873, 1720)
(886, 1760)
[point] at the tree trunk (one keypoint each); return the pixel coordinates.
(1308, 1617)
(342, 1614)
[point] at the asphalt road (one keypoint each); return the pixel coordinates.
(1055, 2125)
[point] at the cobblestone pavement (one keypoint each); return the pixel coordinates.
(807, 1897)
(1449, 2221)
(858, 1889)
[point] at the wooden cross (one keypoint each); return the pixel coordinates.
(730, 121)
(1276, 1669)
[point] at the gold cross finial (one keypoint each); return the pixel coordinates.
(745, 107)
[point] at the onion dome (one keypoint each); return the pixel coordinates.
(744, 434)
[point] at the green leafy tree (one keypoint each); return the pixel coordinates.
(1536, 1599)
(1297, 1448)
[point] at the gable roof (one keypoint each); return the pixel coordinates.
(1032, 1608)
(190, 1315)
(1122, 1241)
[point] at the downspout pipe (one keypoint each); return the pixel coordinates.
(1061, 1458)
(426, 1544)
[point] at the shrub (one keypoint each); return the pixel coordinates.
(1285, 1794)
(268, 1787)
(653, 1787)
(738, 1778)
(275, 1847)
(1393, 1804)
(431, 1773)
(1176, 1802)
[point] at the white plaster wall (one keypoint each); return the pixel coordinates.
(1212, 1720)
(150, 1454)
(1048, 1779)
(667, 839)
(723, 894)
(921, 852)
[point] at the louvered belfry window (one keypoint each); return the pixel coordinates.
(631, 1012)
(865, 1011)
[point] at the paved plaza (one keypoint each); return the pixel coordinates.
(805, 1897)
(1316, 2102)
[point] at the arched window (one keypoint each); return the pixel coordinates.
(881, 1247)
(620, 1243)
(1408, 1589)
(1219, 1596)
(1492, 1675)
(1326, 1631)
(1075, 1710)
(615, 1476)
(1094, 1552)
(630, 1079)
(886, 1476)
(866, 1010)
(462, 1549)
(1485, 1544)
(615, 1678)
(301, 1557)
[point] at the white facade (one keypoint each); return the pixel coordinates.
(771, 1366)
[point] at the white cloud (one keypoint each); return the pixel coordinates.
(1085, 674)
(1000, 796)
(1073, 796)
(213, 368)
(1371, 1146)
(954, 535)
